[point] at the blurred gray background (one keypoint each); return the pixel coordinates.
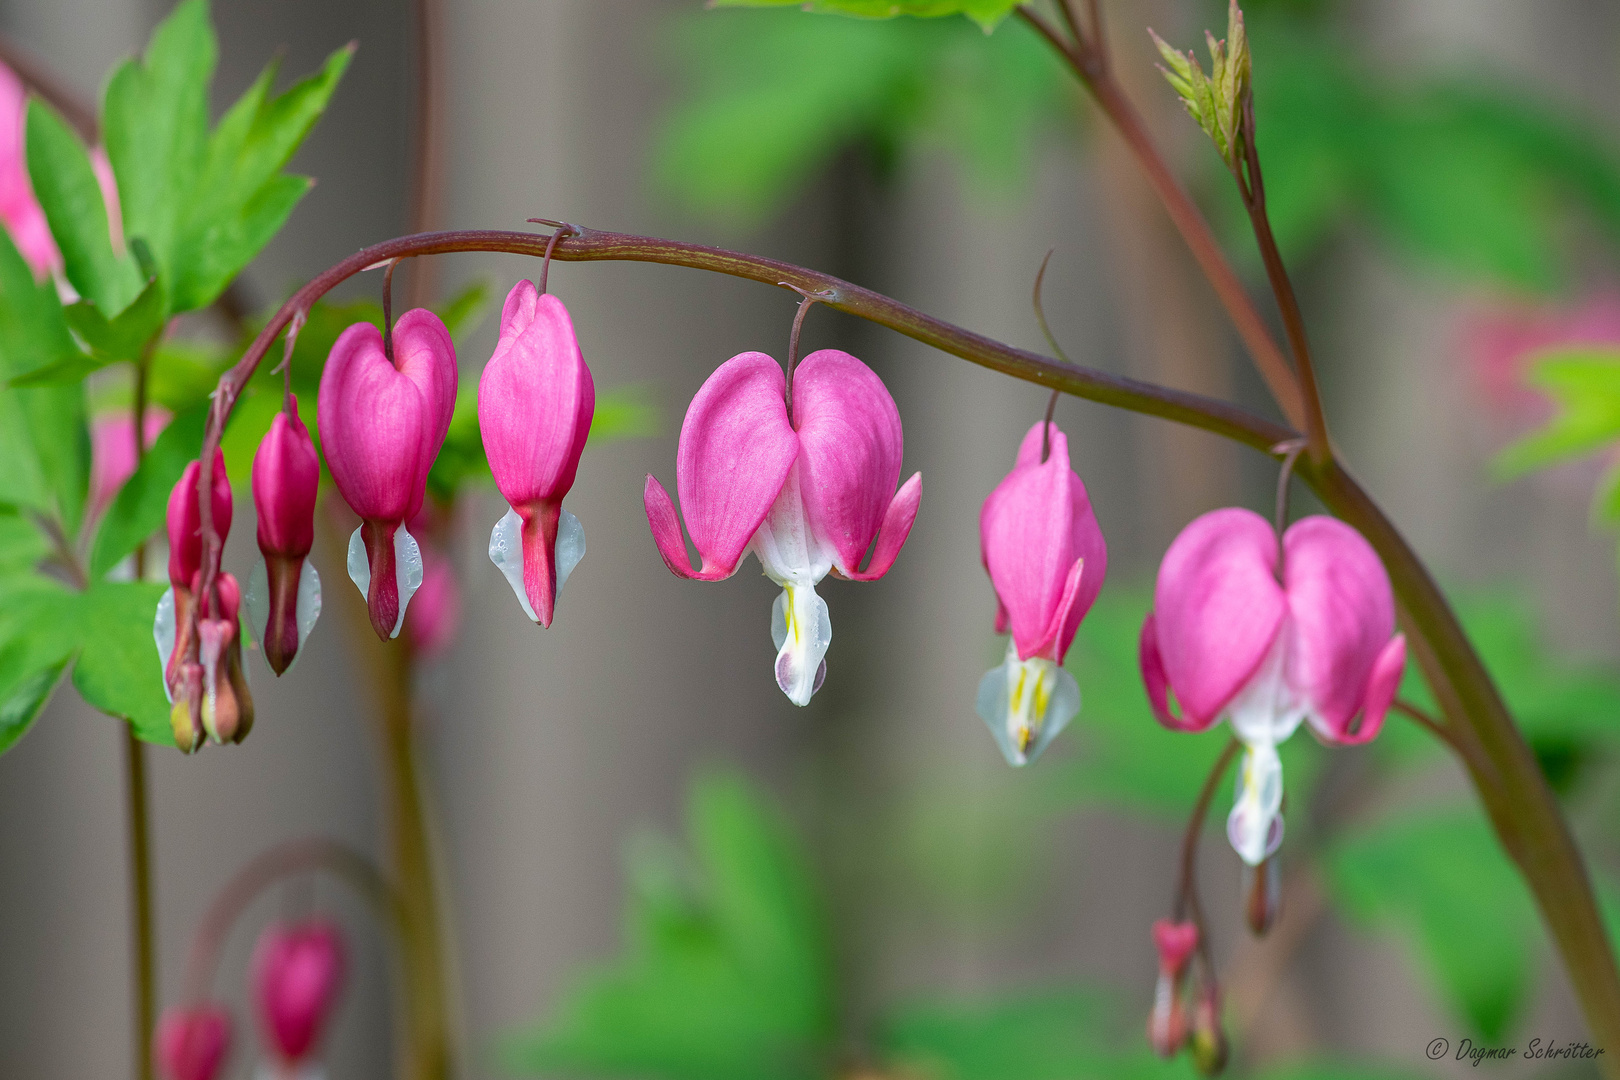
(546, 750)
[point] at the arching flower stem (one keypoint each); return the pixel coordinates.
(1186, 903)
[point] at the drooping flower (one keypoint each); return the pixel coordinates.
(1231, 640)
(382, 421)
(808, 495)
(1047, 559)
(19, 209)
(1167, 1023)
(184, 676)
(284, 593)
(192, 1043)
(112, 451)
(297, 976)
(535, 403)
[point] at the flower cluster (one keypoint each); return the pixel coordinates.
(297, 975)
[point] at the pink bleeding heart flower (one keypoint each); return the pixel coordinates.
(183, 674)
(1047, 559)
(1167, 1023)
(19, 209)
(284, 594)
(297, 976)
(192, 1044)
(112, 451)
(1230, 639)
(382, 422)
(808, 495)
(435, 613)
(535, 403)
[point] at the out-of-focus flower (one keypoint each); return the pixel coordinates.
(1500, 343)
(435, 614)
(284, 594)
(382, 421)
(192, 1043)
(1231, 640)
(1046, 558)
(535, 402)
(112, 451)
(1208, 1044)
(1167, 1023)
(808, 495)
(297, 976)
(19, 209)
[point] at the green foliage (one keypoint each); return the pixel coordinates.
(1215, 100)
(118, 670)
(1441, 880)
(775, 96)
(205, 204)
(725, 973)
(986, 12)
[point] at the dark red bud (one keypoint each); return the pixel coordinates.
(185, 520)
(1262, 900)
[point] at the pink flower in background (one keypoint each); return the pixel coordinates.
(297, 976)
(1230, 640)
(1167, 1023)
(807, 494)
(382, 422)
(192, 1044)
(435, 613)
(112, 451)
(284, 594)
(535, 403)
(1501, 343)
(1047, 559)
(19, 210)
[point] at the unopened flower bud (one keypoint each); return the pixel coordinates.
(185, 520)
(185, 713)
(297, 975)
(191, 1044)
(286, 481)
(1262, 895)
(1167, 1023)
(1208, 1045)
(227, 707)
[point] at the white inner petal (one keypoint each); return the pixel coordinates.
(309, 605)
(801, 629)
(570, 547)
(506, 552)
(407, 570)
(1255, 826)
(1026, 704)
(256, 602)
(163, 631)
(787, 551)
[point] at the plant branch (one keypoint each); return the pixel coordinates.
(138, 804)
(1184, 213)
(1187, 902)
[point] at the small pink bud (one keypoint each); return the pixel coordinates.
(297, 975)
(1176, 942)
(286, 482)
(227, 707)
(382, 422)
(1167, 1023)
(112, 452)
(535, 403)
(185, 521)
(1208, 1044)
(185, 713)
(435, 613)
(192, 1044)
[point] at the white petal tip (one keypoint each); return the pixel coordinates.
(1026, 704)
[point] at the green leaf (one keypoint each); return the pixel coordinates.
(118, 670)
(987, 13)
(125, 336)
(138, 510)
(725, 974)
(1585, 383)
(44, 437)
(1441, 879)
(24, 690)
(66, 185)
(464, 312)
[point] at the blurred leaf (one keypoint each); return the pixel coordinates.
(725, 974)
(461, 460)
(466, 310)
(21, 548)
(1585, 383)
(118, 671)
(624, 412)
(986, 12)
(44, 435)
(776, 96)
(205, 205)
(184, 373)
(1440, 878)
(125, 336)
(66, 185)
(25, 687)
(139, 509)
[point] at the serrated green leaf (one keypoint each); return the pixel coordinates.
(137, 512)
(44, 436)
(59, 167)
(724, 977)
(1440, 878)
(127, 335)
(118, 671)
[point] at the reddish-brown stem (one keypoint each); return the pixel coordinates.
(290, 859)
(137, 806)
(427, 142)
(1187, 902)
(1200, 238)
